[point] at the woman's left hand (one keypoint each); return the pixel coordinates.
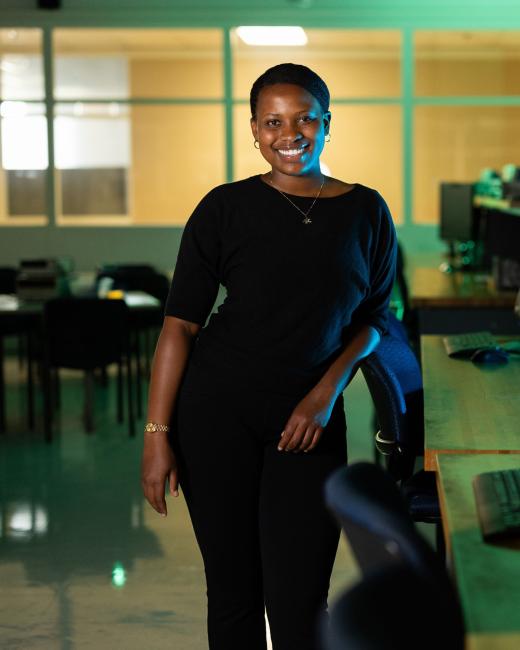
(306, 423)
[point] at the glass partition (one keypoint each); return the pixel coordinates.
(141, 130)
(23, 128)
(144, 63)
(455, 143)
(21, 64)
(136, 164)
(23, 136)
(467, 63)
(353, 63)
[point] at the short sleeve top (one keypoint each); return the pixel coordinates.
(295, 293)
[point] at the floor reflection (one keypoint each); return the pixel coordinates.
(84, 562)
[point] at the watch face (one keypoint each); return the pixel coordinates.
(150, 428)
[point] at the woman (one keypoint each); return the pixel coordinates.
(255, 397)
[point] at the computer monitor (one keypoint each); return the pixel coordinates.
(459, 220)
(502, 244)
(502, 234)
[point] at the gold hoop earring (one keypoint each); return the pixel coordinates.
(256, 143)
(327, 136)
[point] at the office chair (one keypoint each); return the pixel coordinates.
(140, 277)
(137, 277)
(396, 329)
(394, 381)
(374, 517)
(8, 275)
(409, 315)
(14, 324)
(85, 334)
(391, 609)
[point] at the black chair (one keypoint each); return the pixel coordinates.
(393, 377)
(137, 277)
(375, 519)
(393, 609)
(396, 329)
(15, 324)
(8, 275)
(86, 334)
(409, 320)
(140, 277)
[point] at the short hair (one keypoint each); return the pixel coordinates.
(291, 73)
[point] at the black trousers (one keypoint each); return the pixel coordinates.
(258, 514)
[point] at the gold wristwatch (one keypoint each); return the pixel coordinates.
(152, 427)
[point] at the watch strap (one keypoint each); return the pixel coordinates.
(153, 427)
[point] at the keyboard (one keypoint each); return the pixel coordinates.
(497, 496)
(464, 345)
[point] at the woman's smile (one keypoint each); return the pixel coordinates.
(292, 153)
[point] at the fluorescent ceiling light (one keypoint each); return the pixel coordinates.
(272, 35)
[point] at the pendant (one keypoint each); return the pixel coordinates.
(307, 220)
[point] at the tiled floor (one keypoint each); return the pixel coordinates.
(84, 562)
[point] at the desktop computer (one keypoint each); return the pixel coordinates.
(502, 243)
(460, 226)
(457, 221)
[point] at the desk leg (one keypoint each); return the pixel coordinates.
(30, 381)
(131, 423)
(120, 416)
(138, 373)
(89, 401)
(47, 401)
(446, 542)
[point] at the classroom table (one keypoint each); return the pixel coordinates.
(487, 575)
(452, 303)
(468, 408)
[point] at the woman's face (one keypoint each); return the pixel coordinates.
(290, 127)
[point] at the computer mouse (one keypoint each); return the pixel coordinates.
(490, 355)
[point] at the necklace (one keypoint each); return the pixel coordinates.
(306, 218)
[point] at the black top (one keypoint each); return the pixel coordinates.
(296, 293)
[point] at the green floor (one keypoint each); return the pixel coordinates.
(84, 562)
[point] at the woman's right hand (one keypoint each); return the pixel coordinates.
(158, 464)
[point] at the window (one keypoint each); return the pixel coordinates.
(142, 123)
(23, 128)
(353, 63)
(462, 123)
(467, 63)
(455, 143)
(140, 118)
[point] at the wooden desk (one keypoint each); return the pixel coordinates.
(468, 408)
(487, 576)
(429, 287)
(450, 303)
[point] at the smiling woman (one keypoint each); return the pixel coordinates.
(290, 124)
(262, 381)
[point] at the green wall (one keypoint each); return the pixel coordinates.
(93, 246)
(488, 14)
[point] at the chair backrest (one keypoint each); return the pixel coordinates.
(137, 277)
(372, 512)
(393, 377)
(8, 277)
(400, 278)
(396, 328)
(394, 608)
(85, 333)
